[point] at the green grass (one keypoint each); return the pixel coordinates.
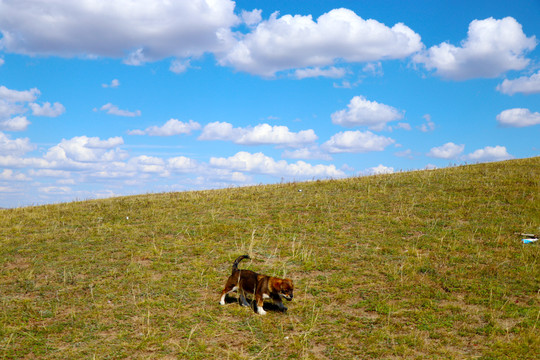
(422, 264)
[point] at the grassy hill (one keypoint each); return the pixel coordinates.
(422, 264)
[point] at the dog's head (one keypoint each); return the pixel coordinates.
(284, 288)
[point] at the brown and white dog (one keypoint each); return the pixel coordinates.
(260, 286)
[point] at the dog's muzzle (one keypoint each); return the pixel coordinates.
(287, 297)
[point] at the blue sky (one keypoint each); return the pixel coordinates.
(103, 98)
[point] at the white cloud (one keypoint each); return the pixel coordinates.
(362, 112)
(18, 123)
(179, 66)
(55, 110)
(313, 152)
(152, 29)
(262, 134)
(13, 160)
(136, 58)
(356, 142)
(170, 128)
(10, 175)
(331, 72)
(447, 151)
(375, 69)
(428, 125)
(55, 190)
(51, 173)
(14, 147)
(290, 42)
(114, 110)
(18, 96)
(492, 47)
(15, 103)
(148, 164)
(490, 153)
(518, 118)
(251, 18)
(182, 164)
(405, 153)
(404, 126)
(381, 169)
(524, 85)
(114, 84)
(262, 164)
(78, 151)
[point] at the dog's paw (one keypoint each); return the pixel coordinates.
(260, 310)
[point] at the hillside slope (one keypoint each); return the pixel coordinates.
(423, 264)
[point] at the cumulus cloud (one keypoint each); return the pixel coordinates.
(356, 142)
(16, 103)
(492, 47)
(114, 84)
(525, 85)
(362, 112)
(52, 173)
(374, 69)
(170, 128)
(490, 153)
(429, 125)
(331, 72)
(312, 152)
(518, 118)
(262, 164)
(150, 30)
(114, 110)
(18, 123)
(262, 134)
(179, 66)
(47, 109)
(14, 96)
(10, 175)
(447, 151)
(182, 164)
(78, 151)
(55, 190)
(147, 164)
(381, 169)
(293, 42)
(251, 18)
(14, 147)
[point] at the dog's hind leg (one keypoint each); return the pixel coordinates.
(228, 289)
(222, 299)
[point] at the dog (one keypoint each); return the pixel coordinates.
(260, 286)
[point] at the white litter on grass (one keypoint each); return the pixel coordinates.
(528, 241)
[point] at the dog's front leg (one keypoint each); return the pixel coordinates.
(260, 303)
(279, 303)
(242, 299)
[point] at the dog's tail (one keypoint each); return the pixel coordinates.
(237, 261)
